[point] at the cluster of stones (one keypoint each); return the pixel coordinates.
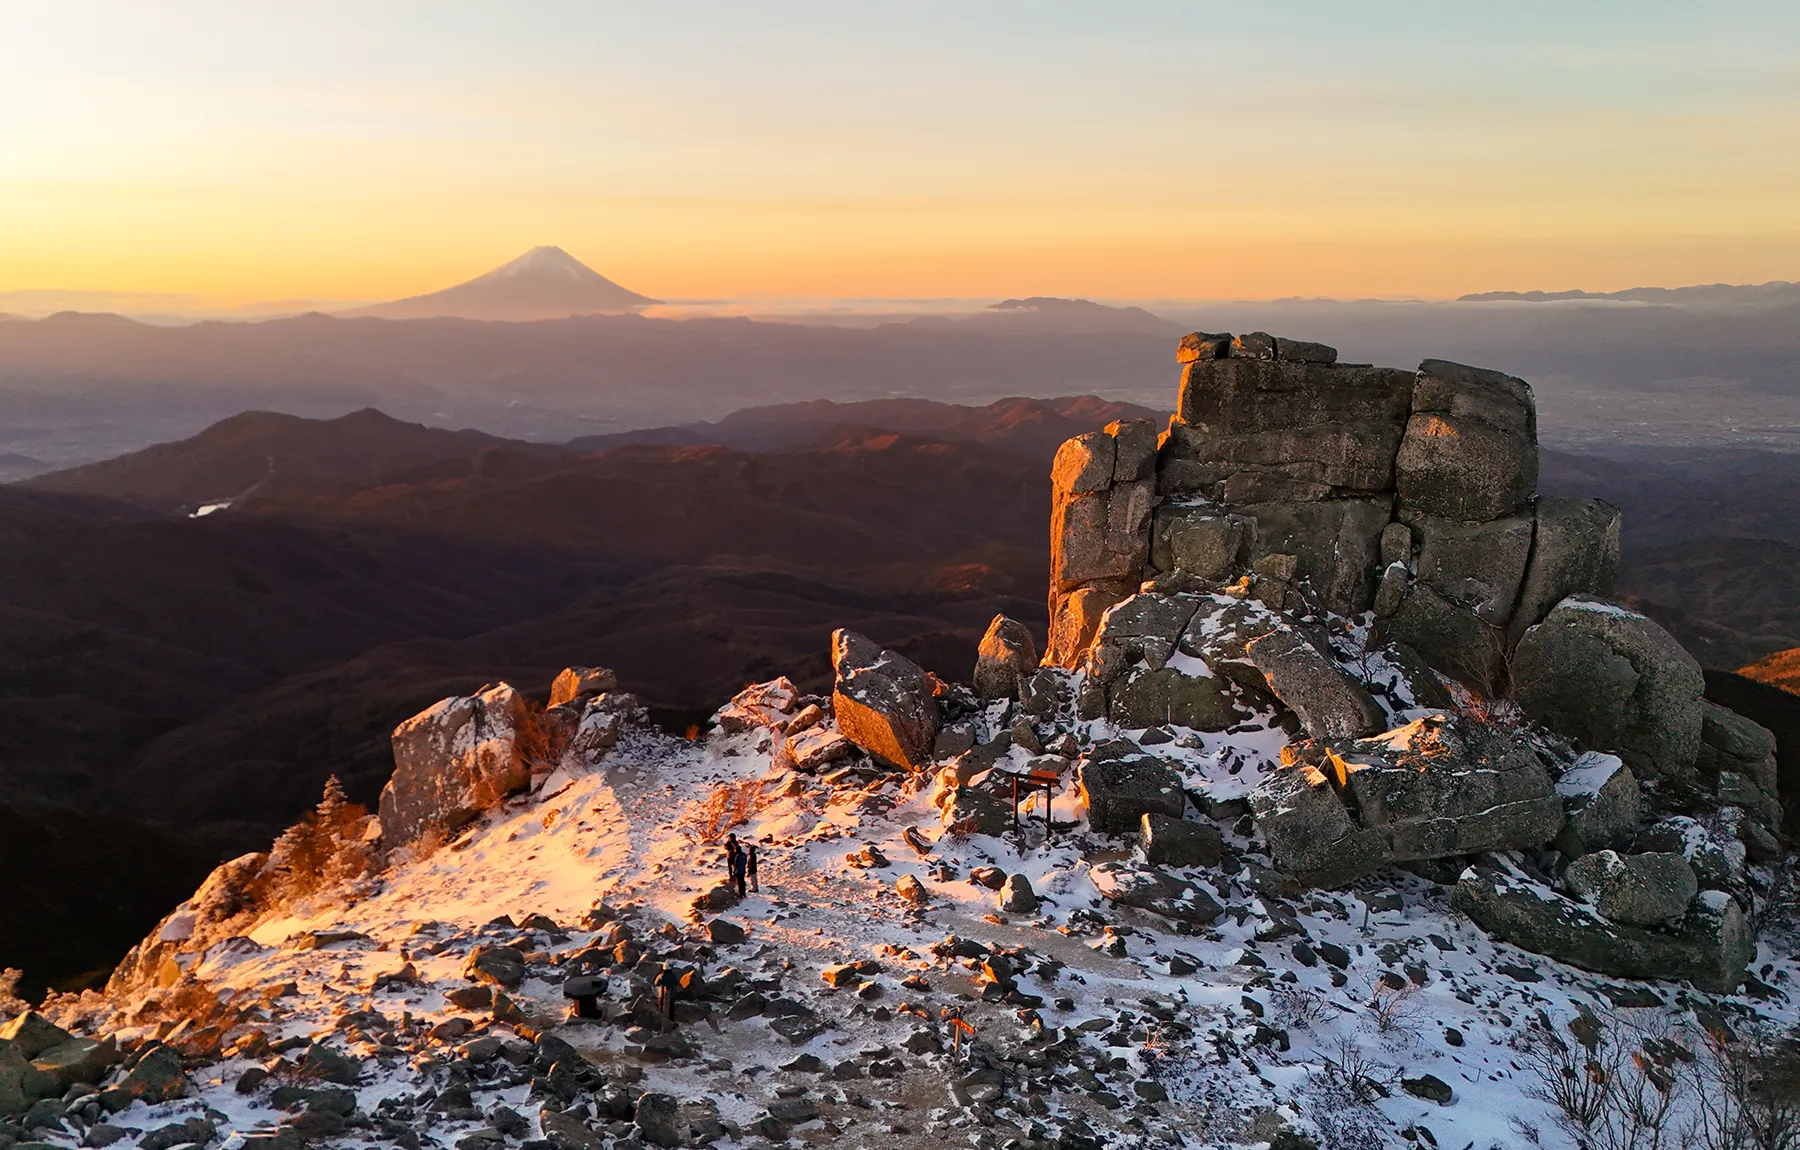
(1345, 542)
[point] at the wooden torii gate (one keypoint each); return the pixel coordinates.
(1024, 783)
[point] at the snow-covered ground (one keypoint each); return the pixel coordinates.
(1310, 1011)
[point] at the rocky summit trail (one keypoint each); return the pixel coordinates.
(1345, 810)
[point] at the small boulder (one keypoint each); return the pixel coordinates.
(758, 705)
(1309, 833)
(883, 702)
(723, 932)
(1155, 891)
(659, 1121)
(912, 890)
(1016, 895)
(31, 1034)
(1429, 1087)
(1600, 805)
(575, 683)
(1176, 842)
(1006, 658)
(495, 965)
(813, 748)
(1638, 890)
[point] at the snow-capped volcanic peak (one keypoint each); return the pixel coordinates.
(546, 261)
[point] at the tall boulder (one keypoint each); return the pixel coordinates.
(883, 702)
(1615, 681)
(1601, 805)
(454, 760)
(1006, 658)
(1470, 448)
(1103, 491)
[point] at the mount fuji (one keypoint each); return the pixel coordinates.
(544, 283)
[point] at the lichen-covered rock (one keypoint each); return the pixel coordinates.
(1075, 616)
(1574, 551)
(1711, 949)
(1309, 833)
(1476, 566)
(1336, 545)
(1600, 805)
(1715, 853)
(1120, 784)
(1735, 789)
(1199, 539)
(1167, 696)
(1639, 890)
(1156, 891)
(1615, 681)
(1731, 742)
(1470, 448)
(1330, 705)
(1175, 842)
(454, 760)
(1006, 658)
(1439, 787)
(883, 702)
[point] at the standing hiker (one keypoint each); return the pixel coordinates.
(750, 867)
(734, 864)
(664, 984)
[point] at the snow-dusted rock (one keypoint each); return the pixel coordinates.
(1309, 833)
(1615, 681)
(1147, 888)
(1600, 805)
(758, 705)
(1121, 784)
(1176, 842)
(883, 702)
(1441, 786)
(454, 760)
(1330, 705)
(1714, 944)
(1639, 890)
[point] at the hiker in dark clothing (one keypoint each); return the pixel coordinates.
(734, 864)
(664, 983)
(750, 867)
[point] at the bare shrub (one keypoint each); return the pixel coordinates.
(1471, 704)
(1396, 1008)
(1361, 1077)
(730, 805)
(1297, 1007)
(1613, 1086)
(1748, 1091)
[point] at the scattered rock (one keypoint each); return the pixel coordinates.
(722, 932)
(1017, 897)
(1155, 891)
(1429, 1087)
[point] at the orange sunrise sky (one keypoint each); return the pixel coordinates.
(699, 151)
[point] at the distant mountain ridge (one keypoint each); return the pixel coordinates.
(1773, 292)
(544, 283)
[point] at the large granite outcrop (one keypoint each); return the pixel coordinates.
(1103, 487)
